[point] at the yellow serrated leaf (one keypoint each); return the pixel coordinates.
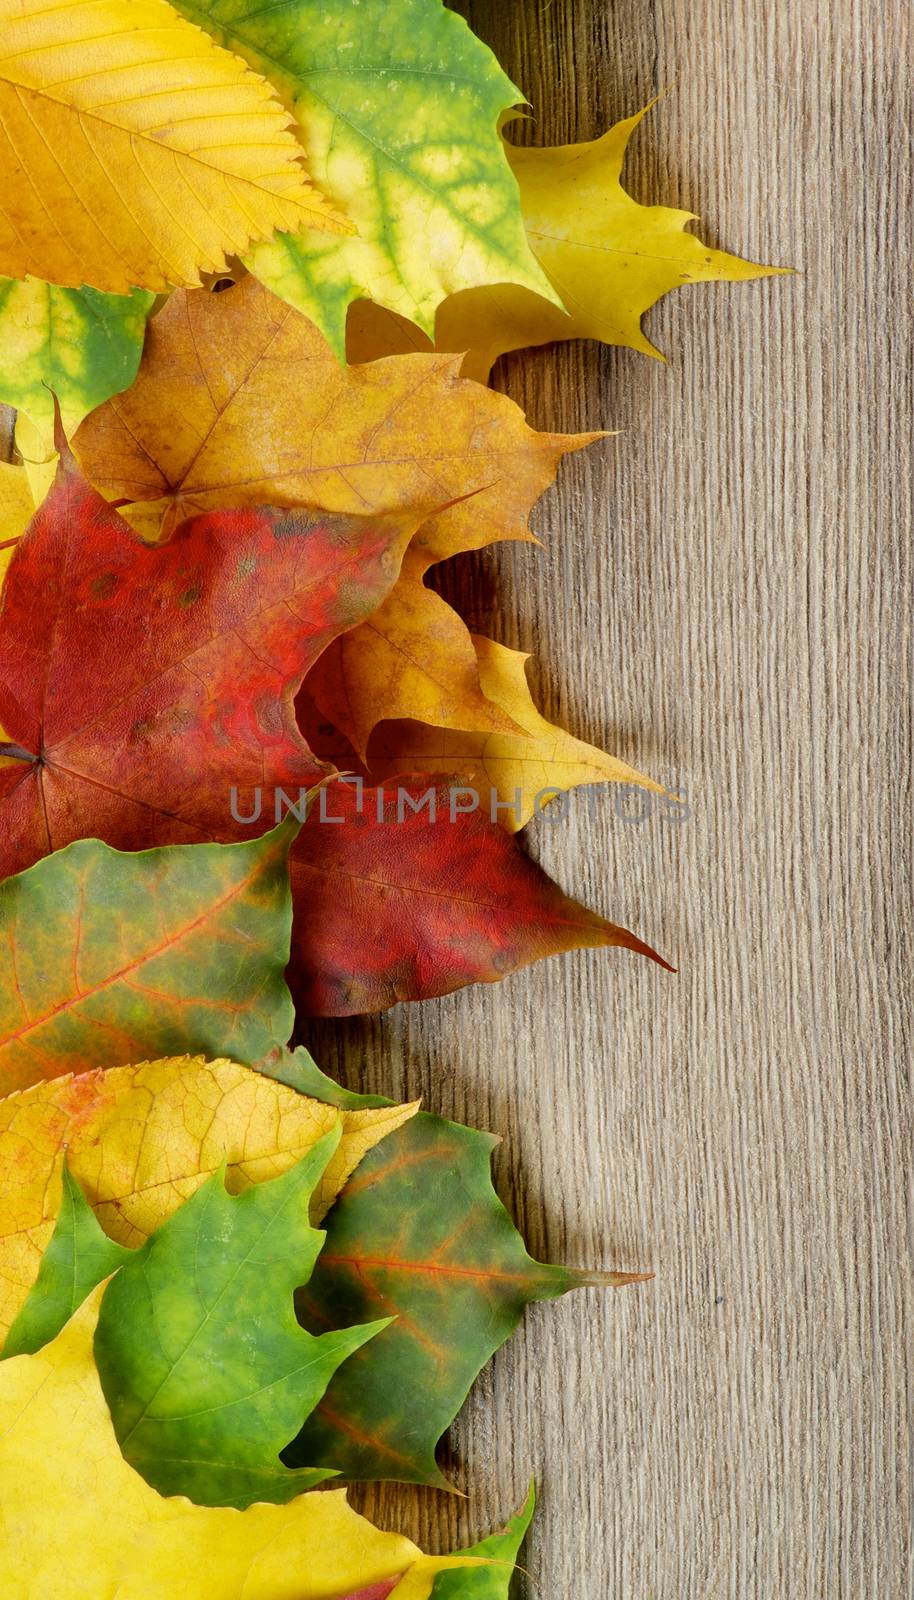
(141, 1139)
(136, 151)
(415, 657)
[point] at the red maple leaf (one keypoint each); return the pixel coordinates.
(147, 697)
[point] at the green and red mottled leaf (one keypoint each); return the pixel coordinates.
(405, 902)
(110, 958)
(139, 683)
(418, 1234)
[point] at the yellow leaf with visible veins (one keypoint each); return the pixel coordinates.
(77, 1522)
(530, 767)
(608, 258)
(240, 401)
(141, 1139)
(136, 151)
(39, 462)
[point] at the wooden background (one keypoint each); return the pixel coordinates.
(725, 600)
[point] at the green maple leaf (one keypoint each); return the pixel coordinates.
(205, 1369)
(78, 344)
(398, 106)
(116, 957)
(421, 1234)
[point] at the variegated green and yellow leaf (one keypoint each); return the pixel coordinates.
(78, 344)
(398, 107)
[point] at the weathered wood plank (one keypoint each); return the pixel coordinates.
(726, 598)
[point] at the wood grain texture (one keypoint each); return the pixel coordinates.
(725, 599)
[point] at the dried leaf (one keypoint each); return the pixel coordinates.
(225, 376)
(410, 894)
(413, 658)
(239, 402)
(219, 626)
(520, 772)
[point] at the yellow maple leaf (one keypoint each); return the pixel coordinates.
(141, 1139)
(525, 770)
(77, 1522)
(240, 401)
(135, 150)
(608, 258)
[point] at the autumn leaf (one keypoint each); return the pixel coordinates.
(415, 892)
(239, 401)
(164, 158)
(206, 1372)
(77, 344)
(224, 376)
(196, 720)
(76, 1534)
(455, 1275)
(418, 1234)
(218, 626)
(112, 957)
(521, 774)
(141, 1139)
(398, 107)
(607, 257)
(413, 658)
